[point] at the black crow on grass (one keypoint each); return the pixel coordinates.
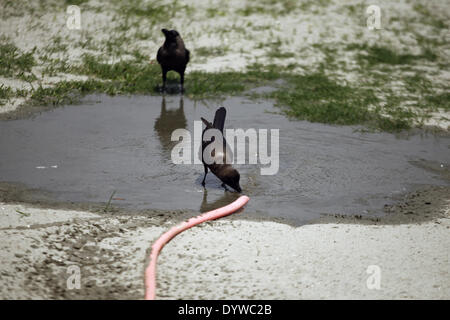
(173, 56)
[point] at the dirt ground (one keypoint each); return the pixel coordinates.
(232, 258)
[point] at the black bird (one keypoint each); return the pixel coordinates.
(224, 171)
(173, 56)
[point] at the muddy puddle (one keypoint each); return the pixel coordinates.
(83, 153)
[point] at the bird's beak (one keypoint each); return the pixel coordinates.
(165, 31)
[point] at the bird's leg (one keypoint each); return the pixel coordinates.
(204, 177)
(164, 76)
(182, 81)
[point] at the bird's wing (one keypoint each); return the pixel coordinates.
(158, 55)
(188, 55)
(219, 118)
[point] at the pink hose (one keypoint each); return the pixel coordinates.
(150, 272)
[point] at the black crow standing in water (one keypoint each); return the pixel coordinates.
(173, 56)
(224, 171)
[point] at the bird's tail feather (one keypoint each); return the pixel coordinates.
(219, 118)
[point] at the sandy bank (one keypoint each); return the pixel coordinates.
(230, 258)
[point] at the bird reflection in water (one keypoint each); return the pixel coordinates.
(227, 198)
(168, 121)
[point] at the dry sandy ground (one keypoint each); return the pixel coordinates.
(232, 258)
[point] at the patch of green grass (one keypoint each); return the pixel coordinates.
(307, 5)
(142, 35)
(139, 57)
(429, 18)
(150, 10)
(5, 94)
(69, 92)
(56, 46)
(383, 55)
(92, 65)
(75, 2)
(13, 61)
(417, 84)
(425, 93)
(61, 93)
(429, 42)
(249, 10)
(116, 44)
(133, 76)
(56, 66)
(441, 100)
(280, 54)
(394, 117)
(260, 74)
(314, 97)
(276, 8)
(202, 85)
(18, 8)
(153, 11)
(215, 12)
(23, 214)
(356, 12)
(393, 124)
(330, 54)
(317, 98)
(128, 76)
(428, 54)
(275, 51)
(211, 51)
(354, 9)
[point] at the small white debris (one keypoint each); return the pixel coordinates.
(44, 167)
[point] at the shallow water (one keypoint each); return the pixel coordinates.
(84, 152)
